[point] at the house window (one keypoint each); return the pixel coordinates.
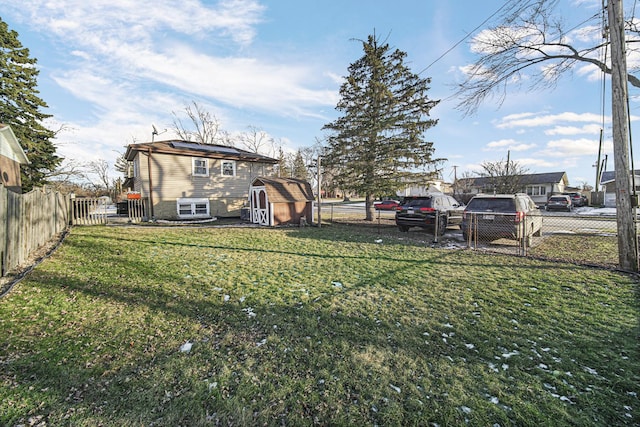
(136, 167)
(228, 168)
(200, 167)
(190, 208)
(536, 190)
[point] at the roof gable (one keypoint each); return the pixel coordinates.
(610, 176)
(10, 147)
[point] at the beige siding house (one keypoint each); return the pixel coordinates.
(188, 180)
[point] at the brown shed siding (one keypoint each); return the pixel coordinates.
(10, 174)
(291, 213)
(288, 200)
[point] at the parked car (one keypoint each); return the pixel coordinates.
(386, 205)
(422, 211)
(514, 216)
(577, 199)
(560, 202)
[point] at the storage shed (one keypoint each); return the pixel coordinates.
(280, 201)
(11, 157)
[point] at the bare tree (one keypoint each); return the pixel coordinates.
(68, 171)
(122, 165)
(531, 46)
(97, 173)
(204, 127)
(504, 176)
(256, 140)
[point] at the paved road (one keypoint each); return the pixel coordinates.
(578, 221)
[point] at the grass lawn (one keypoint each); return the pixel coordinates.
(331, 326)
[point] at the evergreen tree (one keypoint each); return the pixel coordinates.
(20, 107)
(300, 170)
(377, 146)
(284, 171)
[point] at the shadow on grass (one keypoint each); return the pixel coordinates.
(338, 356)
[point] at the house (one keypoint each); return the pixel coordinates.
(608, 185)
(189, 180)
(435, 186)
(281, 201)
(538, 185)
(11, 157)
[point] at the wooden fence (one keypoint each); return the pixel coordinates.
(27, 222)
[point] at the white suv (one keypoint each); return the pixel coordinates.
(514, 216)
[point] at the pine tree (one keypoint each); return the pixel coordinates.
(284, 171)
(377, 146)
(20, 107)
(300, 170)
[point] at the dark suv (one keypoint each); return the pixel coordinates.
(515, 216)
(422, 211)
(577, 199)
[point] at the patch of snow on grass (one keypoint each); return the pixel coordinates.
(249, 312)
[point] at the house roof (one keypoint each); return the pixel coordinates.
(10, 147)
(610, 176)
(285, 190)
(526, 179)
(195, 149)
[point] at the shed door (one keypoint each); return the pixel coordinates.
(259, 206)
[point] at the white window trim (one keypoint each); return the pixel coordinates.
(192, 202)
(536, 190)
(233, 162)
(193, 166)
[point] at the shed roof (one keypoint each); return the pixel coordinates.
(285, 190)
(195, 149)
(10, 147)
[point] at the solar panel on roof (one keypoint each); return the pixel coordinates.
(205, 147)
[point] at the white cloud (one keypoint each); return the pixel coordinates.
(574, 130)
(518, 120)
(508, 144)
(532, 163)
(572, 148)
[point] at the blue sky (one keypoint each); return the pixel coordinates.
(109, 69)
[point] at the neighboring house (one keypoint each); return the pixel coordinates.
(537, 185)
(281, 201)
(608, 186)
(11, 157)
(188, 180)
(437, 186)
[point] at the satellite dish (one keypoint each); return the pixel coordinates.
(155, 130)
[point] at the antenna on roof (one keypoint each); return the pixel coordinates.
(155, 132)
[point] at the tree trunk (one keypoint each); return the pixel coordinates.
(368, 207)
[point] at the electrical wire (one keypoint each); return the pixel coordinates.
(464, 38)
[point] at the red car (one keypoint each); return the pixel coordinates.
(386, 205)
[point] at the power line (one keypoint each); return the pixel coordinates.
(464, 38)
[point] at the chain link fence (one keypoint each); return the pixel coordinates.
(581, 236)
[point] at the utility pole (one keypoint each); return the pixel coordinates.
(319, 191)
(627, 241)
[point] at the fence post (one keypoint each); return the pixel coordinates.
(3, 230)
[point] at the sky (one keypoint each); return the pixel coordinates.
(109, 69)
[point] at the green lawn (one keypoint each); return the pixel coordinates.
(333, 326)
